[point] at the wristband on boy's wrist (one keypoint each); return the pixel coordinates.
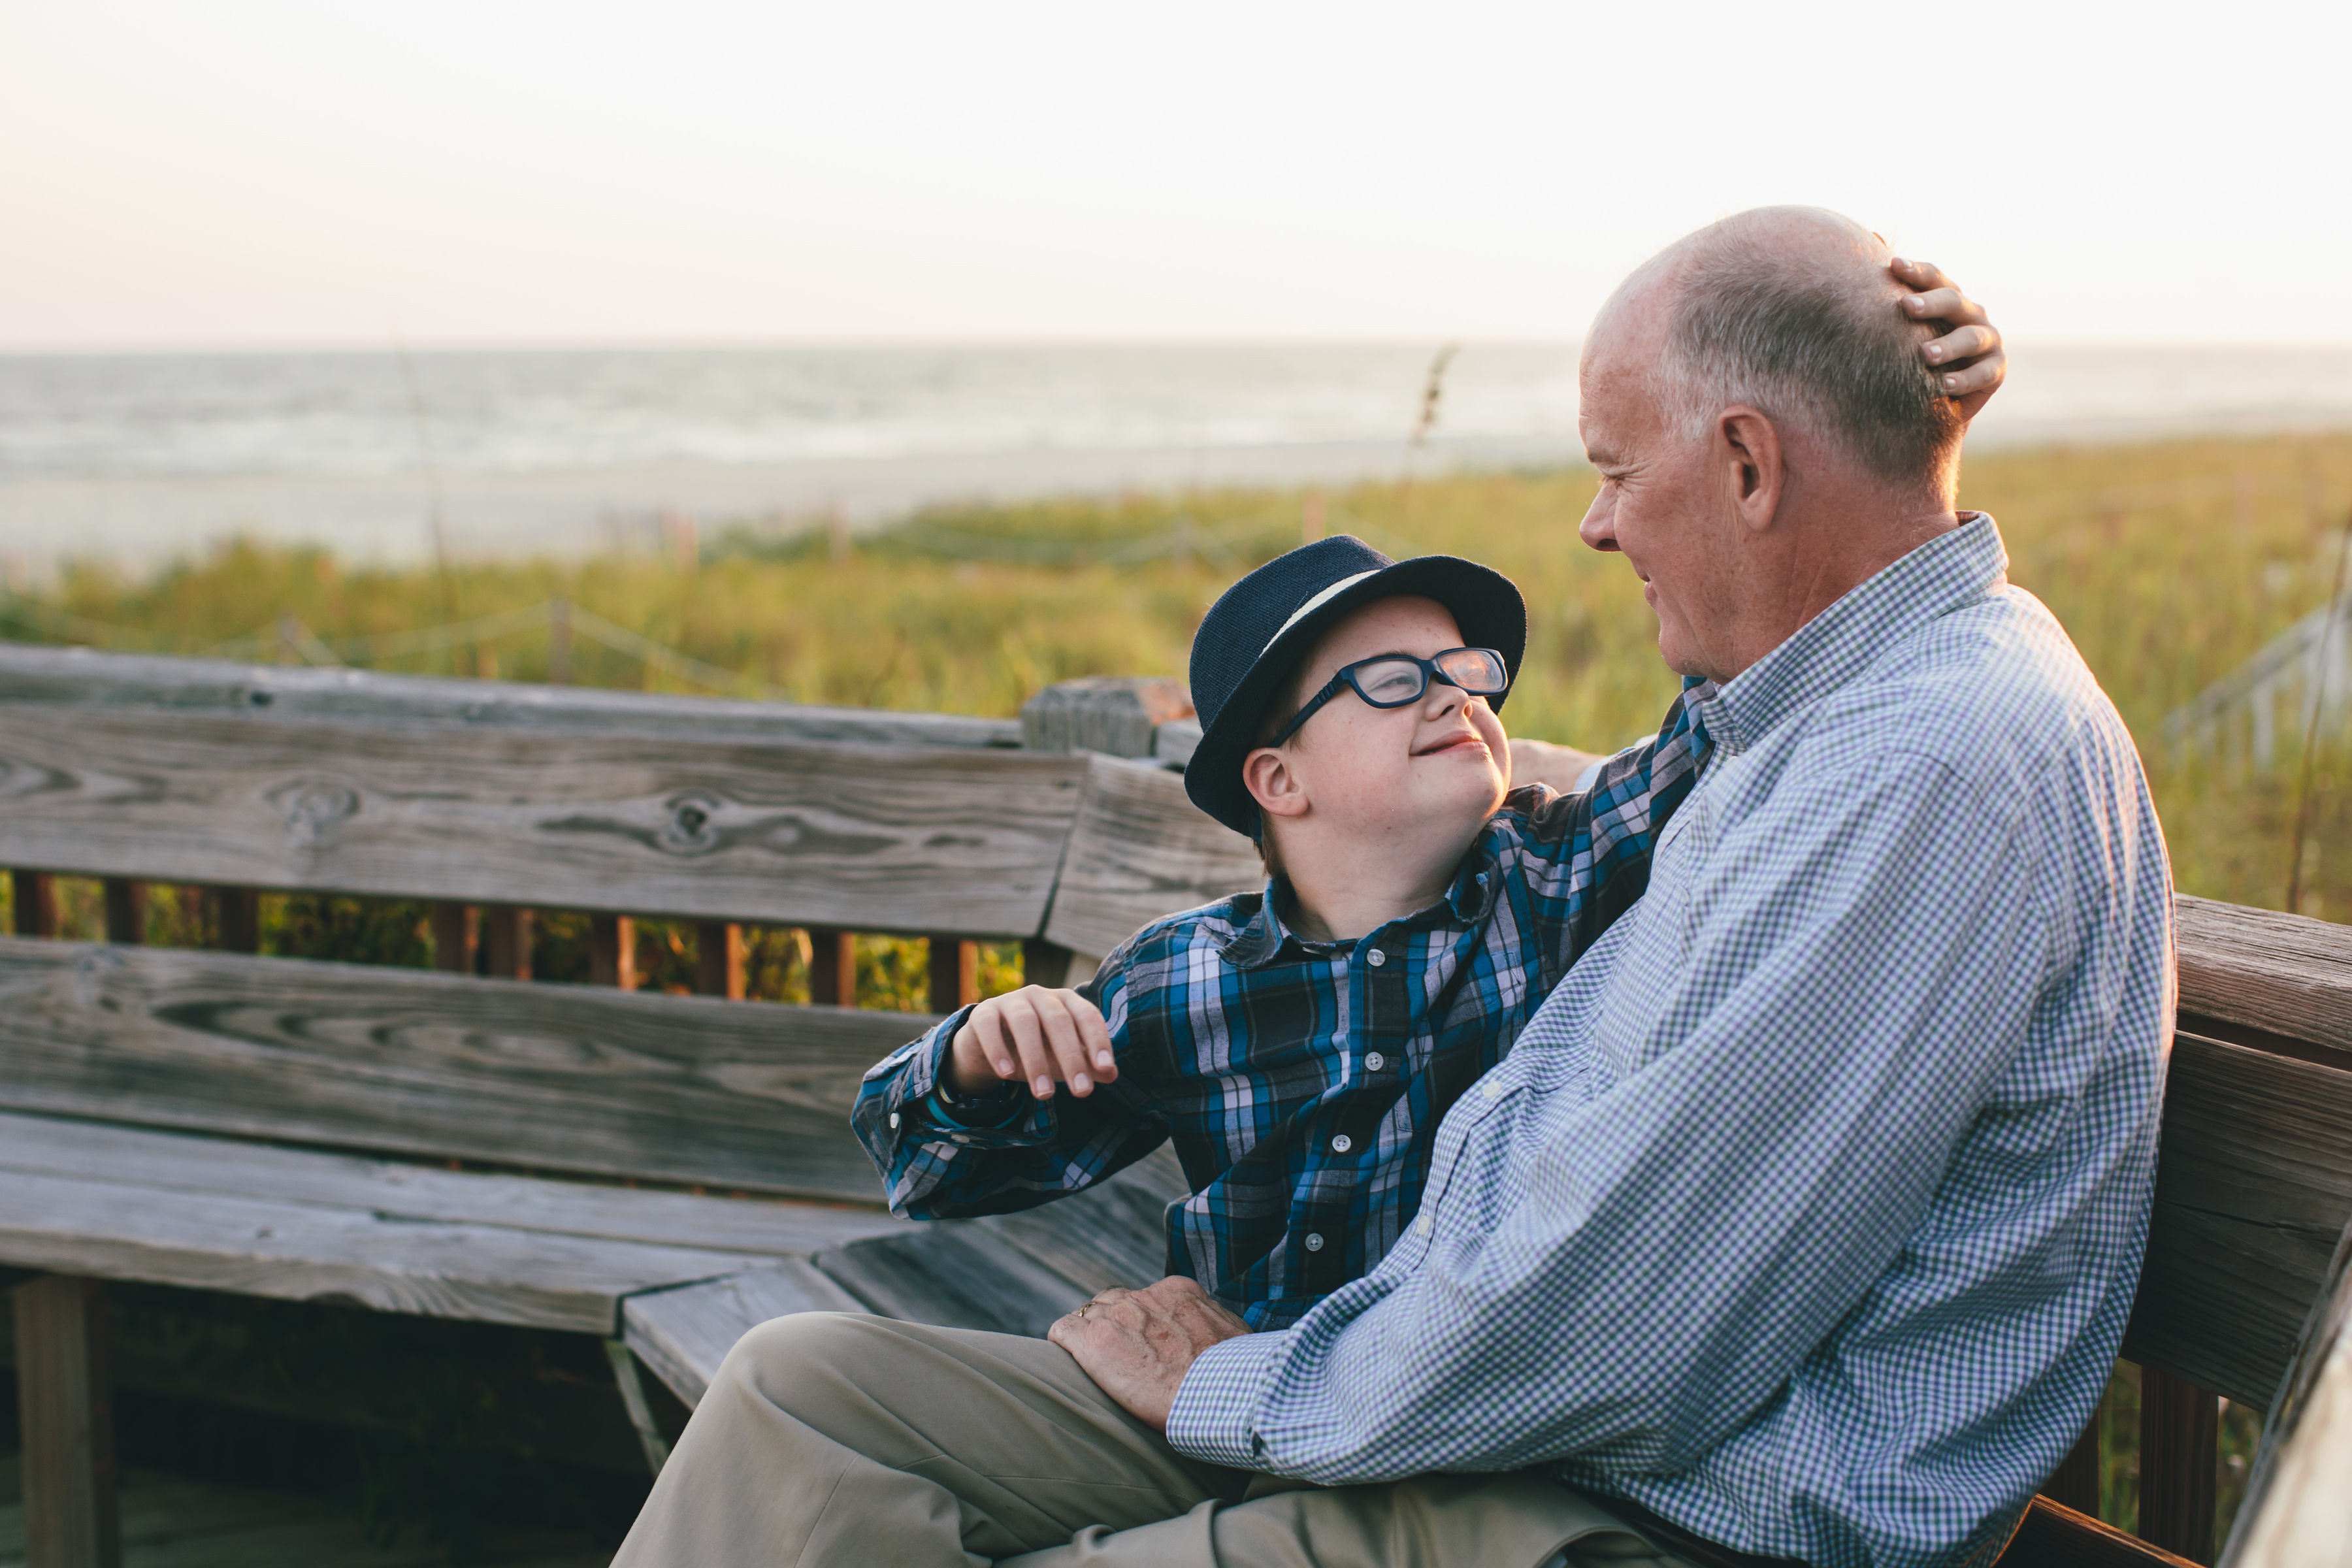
(986, 1113)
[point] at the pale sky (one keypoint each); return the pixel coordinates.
(251, 174)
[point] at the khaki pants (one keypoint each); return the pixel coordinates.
(829, 1439)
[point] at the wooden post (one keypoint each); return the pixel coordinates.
(2295, 1509)
(36, 903)
(456, 933)
(955, 973)
(2179, 1445)
(2076, 1483)
(233, 919)
(833, 968)
(612, 951)
(718, 959)
(505, 941)
(1111, 714)
(67, 1416)
(1043, 963)
(126, 910)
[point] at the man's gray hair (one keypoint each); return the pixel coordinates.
(1814, 340)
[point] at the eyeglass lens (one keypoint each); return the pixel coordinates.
(1394, 682)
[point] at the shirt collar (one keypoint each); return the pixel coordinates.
(1261, 935)
(1952, 570)
(1470, 898)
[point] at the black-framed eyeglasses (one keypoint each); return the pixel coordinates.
(1397, 679)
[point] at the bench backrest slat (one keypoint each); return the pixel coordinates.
(2280, 974)
(1138, 850)
(2254, 1185)
(85, 678)
(865, 837)
(559, 1078)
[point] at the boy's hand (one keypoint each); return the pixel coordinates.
(1968, 358)
(1034, 1036)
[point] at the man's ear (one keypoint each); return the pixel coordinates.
(1754, 468)
(1274, 784)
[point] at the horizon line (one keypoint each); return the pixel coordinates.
(1042, 342)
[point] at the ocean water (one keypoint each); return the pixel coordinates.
(140, 458)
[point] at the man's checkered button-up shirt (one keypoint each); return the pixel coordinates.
(1808, 1210)
(1300, 1081)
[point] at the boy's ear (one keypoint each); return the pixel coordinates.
(1274, 784)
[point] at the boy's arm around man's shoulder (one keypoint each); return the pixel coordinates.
(1582, 858)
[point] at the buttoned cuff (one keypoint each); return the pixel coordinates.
(926, 1072)
(1019, 1120)
(1214, 1419)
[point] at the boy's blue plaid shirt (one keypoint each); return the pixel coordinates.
(1301, 1081)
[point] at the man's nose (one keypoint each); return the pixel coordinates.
(1599, 528)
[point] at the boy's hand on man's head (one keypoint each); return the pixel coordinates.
(1033, 1036)
(1968, 358)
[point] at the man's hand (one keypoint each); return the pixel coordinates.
(1540, 762)
(1137, 1345)
(1039, 1036)
(1970, 362)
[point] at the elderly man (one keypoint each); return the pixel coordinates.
(1804, 1218)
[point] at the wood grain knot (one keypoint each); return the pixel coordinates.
(312, 808)
(690, 828)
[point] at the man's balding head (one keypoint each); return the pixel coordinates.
(1791, 310)
(1767, 432)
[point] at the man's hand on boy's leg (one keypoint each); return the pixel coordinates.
(1033, 1036)
(1969, 357)
(1137, 1345)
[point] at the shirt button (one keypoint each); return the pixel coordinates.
(1314, 1241)
(1376, 958)
(1373, 1062)
(1491, 1090)
(1341, 1143)
(894, 1119)
(963, 1137)
(1423, 1224)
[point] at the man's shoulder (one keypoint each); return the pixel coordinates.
(1994, 692)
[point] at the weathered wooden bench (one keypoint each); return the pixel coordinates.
(281, 1128)
(284, 1128)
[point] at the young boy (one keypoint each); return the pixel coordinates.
(1300, 1044)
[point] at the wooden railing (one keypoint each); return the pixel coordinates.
(496, 800)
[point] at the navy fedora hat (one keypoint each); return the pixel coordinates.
(1254, 635)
